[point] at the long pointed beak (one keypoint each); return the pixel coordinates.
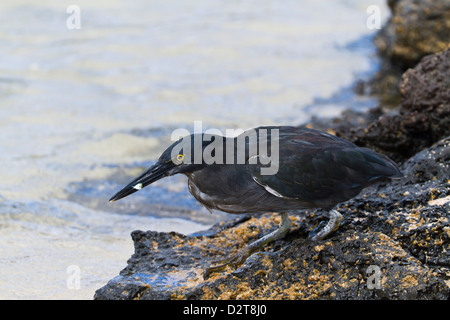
(153, 174)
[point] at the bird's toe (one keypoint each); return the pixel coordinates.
(234, 261)
(313, 234)
(333, 224)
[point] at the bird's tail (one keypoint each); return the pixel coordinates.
(382, 165)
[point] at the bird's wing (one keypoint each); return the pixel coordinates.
(314, 165)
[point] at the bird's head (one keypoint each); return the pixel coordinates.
(183, 156)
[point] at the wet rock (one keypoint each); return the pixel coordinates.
(422, 119)
(415, 29)
(393, 244)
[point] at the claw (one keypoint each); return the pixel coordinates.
(239, 258)
(316, 230)
(332, 225)
(235, 261)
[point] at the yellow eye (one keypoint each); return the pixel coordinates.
(180, 157)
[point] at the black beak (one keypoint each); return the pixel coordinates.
(156, 172)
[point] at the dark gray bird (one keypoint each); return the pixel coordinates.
(305, 169)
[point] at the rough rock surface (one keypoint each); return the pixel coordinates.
(423, 116)
(415, 29)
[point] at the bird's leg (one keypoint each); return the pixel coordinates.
(239, 258)
(332, 225)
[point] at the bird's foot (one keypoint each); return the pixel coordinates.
(313, 233)
(234, 261)
(320, 232)
(239, 258)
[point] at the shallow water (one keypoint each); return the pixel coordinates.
(82, 111)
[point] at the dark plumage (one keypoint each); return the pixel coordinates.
(315, 170)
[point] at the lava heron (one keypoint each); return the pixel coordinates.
(306, 169)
